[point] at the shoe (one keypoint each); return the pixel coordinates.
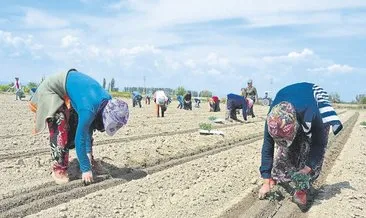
(300, 197)
(60, 176)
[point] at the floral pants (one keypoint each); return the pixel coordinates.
(62, 129)
(293, 158)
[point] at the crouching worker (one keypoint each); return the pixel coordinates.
(235, 102)
(136, 98)
(187, 101)
(298, 122)
(73, 105)
(161, 101)
(214, 104)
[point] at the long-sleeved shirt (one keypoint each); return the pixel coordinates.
(237, 102)
(187, 97)
(313, 111)
(250, 92)
(87, 97)
(180, 99)
(136, 96)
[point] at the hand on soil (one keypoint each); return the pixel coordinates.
(87, 177)
(265, 189)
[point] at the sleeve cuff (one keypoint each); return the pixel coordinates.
(266, 175)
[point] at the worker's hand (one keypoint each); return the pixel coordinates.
(306, 170)
(268, 184)
(87, 178)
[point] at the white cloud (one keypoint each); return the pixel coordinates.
(213, 59)
(334, 68)
(190, 63)
(38, 19)
(69, 41)
(19, 45)
(139, 50)
(292, 56)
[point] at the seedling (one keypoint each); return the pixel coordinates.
(205, 126)
(212, 118)
(302, 181)
(363, 123)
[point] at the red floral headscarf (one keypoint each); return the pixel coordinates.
(282, 123)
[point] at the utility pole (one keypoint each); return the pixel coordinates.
(145, 84)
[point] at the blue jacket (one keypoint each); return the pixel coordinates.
(180, 99)
(237, 102)
(136, 96)
(306, 99)
(87, 97)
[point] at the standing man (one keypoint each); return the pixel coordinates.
(250, 92)
(18, 89)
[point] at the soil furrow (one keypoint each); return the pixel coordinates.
(39, 151)
(37, 200)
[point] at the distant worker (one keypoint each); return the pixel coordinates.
(148, 98)
(298, 122)
(180, 101)
(214, 104)
(73, 105)
(18, 89)
(250, 92)
(161, 101)
(197, 102)
(235, 102)
(188, 101)
(136, 99)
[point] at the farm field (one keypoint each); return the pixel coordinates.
(162, 167)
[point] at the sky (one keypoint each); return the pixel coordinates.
(206, 44)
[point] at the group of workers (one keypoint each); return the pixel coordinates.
(73, 105)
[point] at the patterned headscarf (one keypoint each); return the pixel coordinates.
(282, 123)
(115, 115)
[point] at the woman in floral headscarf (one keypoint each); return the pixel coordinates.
(73, 105)
(298, 122)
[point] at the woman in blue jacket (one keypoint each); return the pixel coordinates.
(73, 105)
(298, 122)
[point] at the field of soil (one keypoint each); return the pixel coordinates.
(163, 167)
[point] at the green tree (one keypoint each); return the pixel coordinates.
(334, 97)
(104, 83)
(32, 85)
(180, 90)
(205, 94)
(113, 83)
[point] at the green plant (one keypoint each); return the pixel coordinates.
(212, 118)
(180, 90)
(205, 126)
(121, 94)
(4, 88)
(363, 123)
(302, 181)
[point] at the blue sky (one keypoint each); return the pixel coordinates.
(206, 44)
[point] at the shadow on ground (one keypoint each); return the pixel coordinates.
(106, 169)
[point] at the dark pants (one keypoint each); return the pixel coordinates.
(231, 110)
(147, 100)
(215, 107)
(188, 105)
(161, 108)
(136, 102)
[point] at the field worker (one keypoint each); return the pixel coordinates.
(136, 98)
(148, 98)
(197, 101)
(188, 101)
(298, 122)
(73, 105)
(250, 92)
(214, 104)
(180, 101)
(18, 89)
(235, 102)
(161, 101)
